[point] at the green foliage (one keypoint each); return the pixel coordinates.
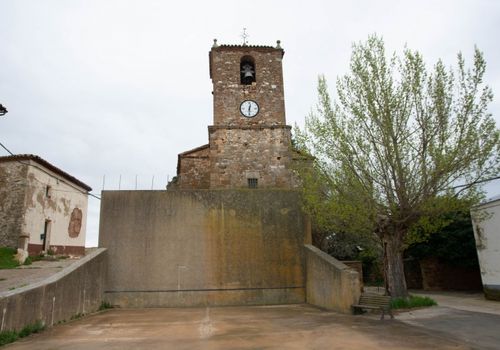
(7, 258)
(412, 301)
(39, 257)
(105, 305)
(28, 261)
(7, 337)
(392, 146)
(371, 258)
(454, 244)
(31, 329)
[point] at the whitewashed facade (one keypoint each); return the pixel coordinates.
(42, 208)
(486, 223)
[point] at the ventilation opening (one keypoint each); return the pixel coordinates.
(247, 70)
(252, 183)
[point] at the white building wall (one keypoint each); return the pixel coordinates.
(486, 223)
(56, 206)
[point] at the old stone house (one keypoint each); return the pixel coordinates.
(249, 143)
(42, 208)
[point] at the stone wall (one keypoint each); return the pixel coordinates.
(263, 153)
(35, 199)
(194, 169)
(72, 291)
(242, 148)
(197, 248)
(13, 182)
(57, 205)
(330, 284)
(228, 91)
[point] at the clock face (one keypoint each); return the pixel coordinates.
(249, 108)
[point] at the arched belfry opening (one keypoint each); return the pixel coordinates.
(247, 70)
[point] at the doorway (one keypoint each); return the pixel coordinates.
(45, 235)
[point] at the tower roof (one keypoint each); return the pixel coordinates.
(258, 48)
(246, 46)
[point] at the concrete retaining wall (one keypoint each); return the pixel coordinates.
(203, 247)
(330, 284)
(75, 290)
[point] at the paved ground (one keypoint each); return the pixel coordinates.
(22, 276)
(465, 317)
(461, 321)
(465, 301)
(270, 327)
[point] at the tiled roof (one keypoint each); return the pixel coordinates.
(194, 150)
(43, 162)
(248, 46)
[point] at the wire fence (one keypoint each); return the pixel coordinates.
(134, 182)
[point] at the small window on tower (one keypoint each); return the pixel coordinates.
(247, 70)
(48, 191)
(252, 183)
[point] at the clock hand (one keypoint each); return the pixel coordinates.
(249, 106)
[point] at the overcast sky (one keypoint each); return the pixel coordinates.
(121, 87)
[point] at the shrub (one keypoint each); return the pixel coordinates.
(11, 336)
(31, 328)
(7, 260)
(412, 301)
(105, 305)
(28, 261)
(8, 337)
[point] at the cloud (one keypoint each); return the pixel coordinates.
(121, 87)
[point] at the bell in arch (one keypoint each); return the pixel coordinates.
(247, 72)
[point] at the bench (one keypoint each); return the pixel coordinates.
(374, 302)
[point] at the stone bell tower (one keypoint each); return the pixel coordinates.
(247, 85)
(249, 141)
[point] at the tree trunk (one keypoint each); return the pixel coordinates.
(395, 282)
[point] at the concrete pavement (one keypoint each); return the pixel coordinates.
(260, 327)
(465, 301)
(465, 317)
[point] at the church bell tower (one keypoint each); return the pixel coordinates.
(247, 85)
(249, 141)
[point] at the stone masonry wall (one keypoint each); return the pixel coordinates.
(253, 152)
(12, 193)
(55, 205)
(194, 170)
(228, 91)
